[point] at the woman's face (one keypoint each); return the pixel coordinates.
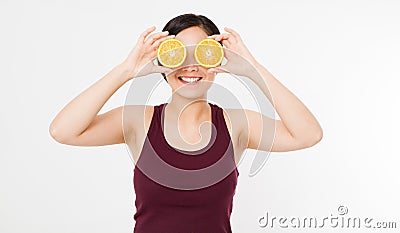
(191, 80)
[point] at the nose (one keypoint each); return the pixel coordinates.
(191, 68)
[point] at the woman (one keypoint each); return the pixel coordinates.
(185, 202)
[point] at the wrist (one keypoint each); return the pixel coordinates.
(125, 70)
(253, 61)
(130, 67)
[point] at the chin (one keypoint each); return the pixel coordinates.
(189, 92)
(192, 86)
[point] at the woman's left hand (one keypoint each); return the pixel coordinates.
(239, 59)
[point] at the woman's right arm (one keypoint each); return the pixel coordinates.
(79, 123)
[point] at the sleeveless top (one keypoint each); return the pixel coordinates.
(181, 191)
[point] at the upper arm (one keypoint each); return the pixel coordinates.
(105, 129)
(267, 134)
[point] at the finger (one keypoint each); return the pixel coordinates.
(220, 37)
(161, 69)
(226, 43)
(166, 70)
(216, 70)
(213, 36)
(227, 37)
(156, 36)
(233, 32)
(159, 41)
(146, 33)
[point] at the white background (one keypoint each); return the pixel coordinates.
(339, 57)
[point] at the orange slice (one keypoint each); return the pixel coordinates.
(209, 53)
(171, 53)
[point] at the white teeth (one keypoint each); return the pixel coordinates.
(190, 79)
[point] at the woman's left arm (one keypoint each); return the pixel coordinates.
(297, 129)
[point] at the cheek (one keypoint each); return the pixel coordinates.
(171, 80)
(208, 80)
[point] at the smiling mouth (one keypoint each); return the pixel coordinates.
(189, 79)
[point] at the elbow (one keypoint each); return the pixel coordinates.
(55, 134)
(313, 139)
(318, 136)
(58, 136)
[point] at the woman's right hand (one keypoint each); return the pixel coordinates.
(140, 60)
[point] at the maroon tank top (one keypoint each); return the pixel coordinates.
(181, 191)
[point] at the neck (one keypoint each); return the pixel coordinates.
(190, 109)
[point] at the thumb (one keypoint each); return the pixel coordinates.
(162, 69)
(219, 69)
